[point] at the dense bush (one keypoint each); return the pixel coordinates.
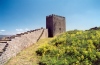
(72, 48)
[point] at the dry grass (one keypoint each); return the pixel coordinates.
(28, 56)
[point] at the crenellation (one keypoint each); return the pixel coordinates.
(32, 30)
(22, 33)
(53, 15)
(18, 42)
(19, 35)
(29, 31)
(25, 32)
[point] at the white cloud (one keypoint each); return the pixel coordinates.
(2, 30)
(26, 29)
(21, 30)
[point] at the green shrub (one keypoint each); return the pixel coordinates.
(72, 48)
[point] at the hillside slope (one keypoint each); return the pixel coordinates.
(27, 56)
(72, 48)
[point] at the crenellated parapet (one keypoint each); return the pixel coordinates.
(10, 46)
(53, 15)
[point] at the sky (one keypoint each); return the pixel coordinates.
(17, 16)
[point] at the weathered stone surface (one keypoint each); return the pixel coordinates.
(2, 45)
(20, 42)
(55, 25)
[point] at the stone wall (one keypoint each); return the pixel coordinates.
(14, 44)
(55, 24)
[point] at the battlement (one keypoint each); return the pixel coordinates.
(10, 46)
(18, 35)
(53, 15)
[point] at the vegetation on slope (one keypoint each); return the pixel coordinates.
(28, 56)
(72, 48)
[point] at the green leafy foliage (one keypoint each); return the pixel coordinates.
(72, 48)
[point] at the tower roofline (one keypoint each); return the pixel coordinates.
(54, 15)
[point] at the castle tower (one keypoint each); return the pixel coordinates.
(55, 25)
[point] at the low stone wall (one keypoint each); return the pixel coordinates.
(19, 42)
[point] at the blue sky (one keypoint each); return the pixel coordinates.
(21, 15)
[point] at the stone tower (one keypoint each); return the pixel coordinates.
(55, 24)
